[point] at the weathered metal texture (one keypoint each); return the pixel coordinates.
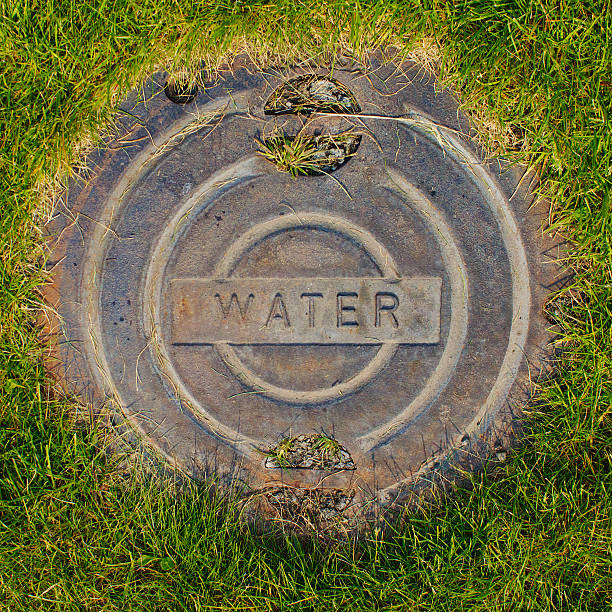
(221, 305)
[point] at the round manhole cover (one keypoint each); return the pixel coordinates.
(347, 330)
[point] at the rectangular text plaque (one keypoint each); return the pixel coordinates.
(305, 310)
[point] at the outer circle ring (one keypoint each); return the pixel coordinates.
(94, 258)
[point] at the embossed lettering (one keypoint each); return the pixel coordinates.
(234, 298)
(386, 302)
(311, 306)
(278, 311)
(309, 310)
(341, 308)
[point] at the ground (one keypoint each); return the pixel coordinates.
(76, 533)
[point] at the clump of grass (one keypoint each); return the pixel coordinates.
(330, 448)
(316, 452)
(292, 154)
(310, 155)
(280, 454)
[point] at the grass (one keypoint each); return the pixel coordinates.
(74, 535)
(321, 451)
(309, 155)
(290, 154)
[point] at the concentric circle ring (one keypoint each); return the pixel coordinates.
(381, 257)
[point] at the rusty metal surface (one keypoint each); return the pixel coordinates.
(222, 306)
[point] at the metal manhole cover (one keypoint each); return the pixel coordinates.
(391, 307)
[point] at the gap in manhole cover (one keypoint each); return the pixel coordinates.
(393, 299)
(314, 452)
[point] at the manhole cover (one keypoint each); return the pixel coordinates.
(383, 311)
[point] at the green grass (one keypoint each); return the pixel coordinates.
(537, 536)
(292, 155)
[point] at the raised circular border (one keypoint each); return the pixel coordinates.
(441, 136)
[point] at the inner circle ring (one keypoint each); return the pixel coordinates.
(381, 257)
